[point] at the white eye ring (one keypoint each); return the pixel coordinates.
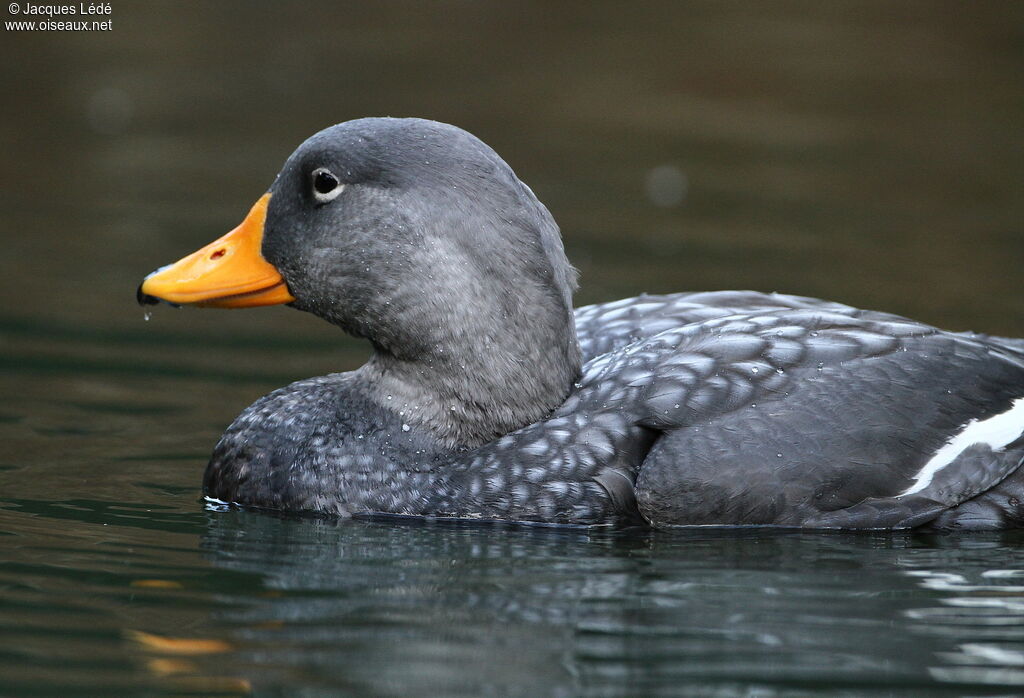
(326, 186)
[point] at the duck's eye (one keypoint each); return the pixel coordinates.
(325, 185)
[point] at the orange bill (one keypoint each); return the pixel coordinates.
(230, 272)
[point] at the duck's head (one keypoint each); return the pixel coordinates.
(411, 233)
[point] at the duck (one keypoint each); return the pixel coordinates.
(489, 397)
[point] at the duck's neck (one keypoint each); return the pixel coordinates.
(470, 388)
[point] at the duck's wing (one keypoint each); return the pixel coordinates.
(819, 418)
(814, 418)
(605, 327)
(1009, 344)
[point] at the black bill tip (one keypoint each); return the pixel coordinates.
(145, 298)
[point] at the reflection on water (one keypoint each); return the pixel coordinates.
(990, 604)
(861, 151)
(235, 601)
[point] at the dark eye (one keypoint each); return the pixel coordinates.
(325, 185)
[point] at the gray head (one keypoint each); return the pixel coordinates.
(405, 231)
(417, 236)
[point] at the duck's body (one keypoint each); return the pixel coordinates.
(488, 398)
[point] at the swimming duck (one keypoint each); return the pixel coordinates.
(489, 397)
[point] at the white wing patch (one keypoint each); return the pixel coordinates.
(997, 432)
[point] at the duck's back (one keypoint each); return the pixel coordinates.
(605, 327)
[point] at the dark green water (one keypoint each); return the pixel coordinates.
(867, 152)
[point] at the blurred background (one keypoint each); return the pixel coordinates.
(868, 152)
